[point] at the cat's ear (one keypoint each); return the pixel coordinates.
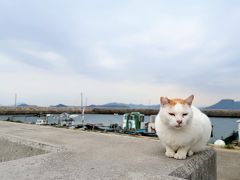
(164, 101)
(189, 100)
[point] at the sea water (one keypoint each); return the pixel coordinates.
(222, 127)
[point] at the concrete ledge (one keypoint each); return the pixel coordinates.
(89, 155)
(201, 166)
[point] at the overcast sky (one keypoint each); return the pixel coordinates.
(129, 51)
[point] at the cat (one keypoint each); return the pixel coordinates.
(182, 128)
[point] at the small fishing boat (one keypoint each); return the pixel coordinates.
(133, 121)
(66, 119)
(41, 121)
(102, 128)
(232, 138)
(134, 124)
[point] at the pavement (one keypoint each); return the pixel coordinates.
(75, 154)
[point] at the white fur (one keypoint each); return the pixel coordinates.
(191, 137)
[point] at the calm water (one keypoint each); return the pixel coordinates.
(222, 127)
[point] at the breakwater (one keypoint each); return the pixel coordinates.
(77, 110)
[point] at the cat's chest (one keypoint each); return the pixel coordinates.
(176, 138)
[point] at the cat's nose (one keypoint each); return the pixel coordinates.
(179, 121)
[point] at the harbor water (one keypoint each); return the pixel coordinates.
(222, 127)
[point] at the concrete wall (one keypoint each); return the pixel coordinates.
(202, 167)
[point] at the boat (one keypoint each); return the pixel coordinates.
(232, 138)
(134, 124)
(100, 127)
(41, 121)
(133, 121)
(66, 119)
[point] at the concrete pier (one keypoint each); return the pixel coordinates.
(75, 154)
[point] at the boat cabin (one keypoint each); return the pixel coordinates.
(132, 121)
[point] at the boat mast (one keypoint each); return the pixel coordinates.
(15, 95)
(82, 108)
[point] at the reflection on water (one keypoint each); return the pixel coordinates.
(222, 127)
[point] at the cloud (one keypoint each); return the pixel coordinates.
(172, 48)
(52, 59)
(104, 59)
(10, 64)
(36, 55)
(169, 33)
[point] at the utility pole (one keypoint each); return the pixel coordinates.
(15, 104)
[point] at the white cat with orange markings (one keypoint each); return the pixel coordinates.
(182, 128)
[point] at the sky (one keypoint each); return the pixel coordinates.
(129, 51)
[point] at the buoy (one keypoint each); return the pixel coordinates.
(219, 142)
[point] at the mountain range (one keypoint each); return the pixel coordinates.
(59, 105)
(125, 106)
(225, 104)
(25, 105)
(222, 104)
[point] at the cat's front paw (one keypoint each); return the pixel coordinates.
(170, 154)
(180, 155)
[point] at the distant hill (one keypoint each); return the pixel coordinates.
(225, 104)
(110, 105)
(25, 105)
(125, 106)
(60, 105)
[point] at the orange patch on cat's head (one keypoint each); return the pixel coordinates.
(173, 102)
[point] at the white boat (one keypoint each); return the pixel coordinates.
(73, 115)
(66, 119)
(41, 121)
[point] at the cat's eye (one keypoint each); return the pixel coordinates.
(171, 114)
(185, 114)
